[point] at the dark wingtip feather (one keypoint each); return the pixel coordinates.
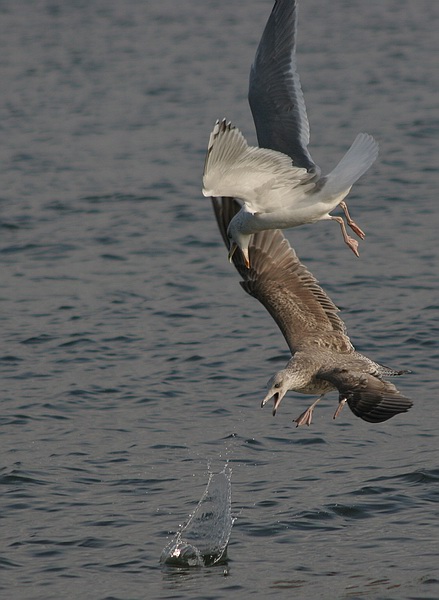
(376, 407)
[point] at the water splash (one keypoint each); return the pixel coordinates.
(203, 539)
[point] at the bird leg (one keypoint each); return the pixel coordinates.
(306, 417)
(350, 222)
(341, 403)
(353, 244)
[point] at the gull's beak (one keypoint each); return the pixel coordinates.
(233, 247)
(232, 250)
(277, 397)
(246, 258)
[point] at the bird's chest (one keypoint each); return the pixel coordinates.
(288, 216)
(316, 387)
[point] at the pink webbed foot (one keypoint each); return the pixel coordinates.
(357, 230)
(306, 417)
(353, 244)
(340, 406)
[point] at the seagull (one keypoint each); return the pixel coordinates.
(273, 197)
(323, 357)
(276, 194)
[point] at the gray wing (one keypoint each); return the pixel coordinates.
(368, 397)
(305, 315)
(275, 95)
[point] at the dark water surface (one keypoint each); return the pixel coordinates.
(132, 361)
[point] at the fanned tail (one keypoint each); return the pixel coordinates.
(357, 160)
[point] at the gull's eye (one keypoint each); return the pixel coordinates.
(277, 385)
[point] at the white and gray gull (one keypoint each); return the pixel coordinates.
(323, 357)
(280, 191)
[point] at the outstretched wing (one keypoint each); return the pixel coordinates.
(288, 291)
(263, 179)
(275, 95)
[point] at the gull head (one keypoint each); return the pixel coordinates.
(278, 386)
(238, 239)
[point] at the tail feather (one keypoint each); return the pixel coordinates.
(357, 160)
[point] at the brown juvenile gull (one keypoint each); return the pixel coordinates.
(323, 357)
(270, 201)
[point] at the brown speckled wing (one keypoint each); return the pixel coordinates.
(291, 294)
